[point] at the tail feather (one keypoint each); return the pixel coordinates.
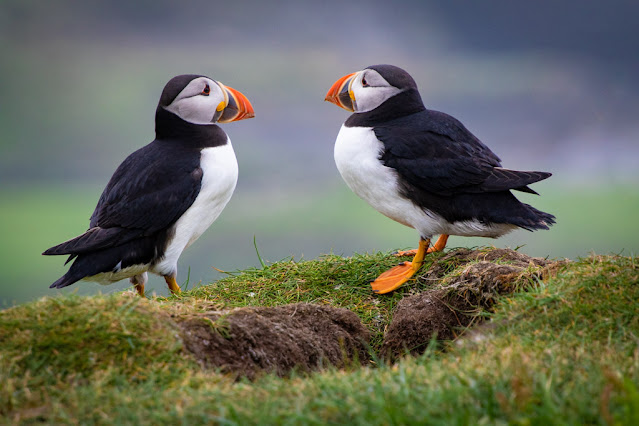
(66, 280)
(526, 189)
(536, 219)
(113, 259)
(94, 239)
(84, 266)
(88, 265)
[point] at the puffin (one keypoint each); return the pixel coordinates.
(164, 195)
(423, 168)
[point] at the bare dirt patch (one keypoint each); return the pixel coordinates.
(304, 337)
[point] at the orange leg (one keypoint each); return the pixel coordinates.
(395, 277)
(140, 289)
(173, 286)
(438, 246)
(138, 282)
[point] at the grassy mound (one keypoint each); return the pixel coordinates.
(558, 349)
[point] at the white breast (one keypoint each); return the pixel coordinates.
(357, 153)
(219, 167)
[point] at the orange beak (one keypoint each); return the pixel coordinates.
(237, 108)
(340, 93)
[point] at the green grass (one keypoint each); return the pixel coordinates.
(564, 352)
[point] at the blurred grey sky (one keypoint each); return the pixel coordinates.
(548, 85)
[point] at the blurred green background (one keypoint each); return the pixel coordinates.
(548, 86)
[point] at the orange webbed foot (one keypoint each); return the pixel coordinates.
(394, 278)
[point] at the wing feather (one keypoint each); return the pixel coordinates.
(148, 192)
(434, 152)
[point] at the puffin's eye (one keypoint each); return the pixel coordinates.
(206, 91)
(364, 82)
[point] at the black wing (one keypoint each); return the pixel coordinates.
(148, 192)
(434, 152)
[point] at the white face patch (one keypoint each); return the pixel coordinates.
(371, 90)
(194, 105)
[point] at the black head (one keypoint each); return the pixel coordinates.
(175, 86)
(197, 99)
(395, 76)
(191, 103)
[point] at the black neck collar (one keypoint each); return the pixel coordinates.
(169, 126)
(400, 105)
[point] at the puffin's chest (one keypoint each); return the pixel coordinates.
(357, 152)
(219, 177)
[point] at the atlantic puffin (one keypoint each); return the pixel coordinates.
(165, 194)
(423, 168)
